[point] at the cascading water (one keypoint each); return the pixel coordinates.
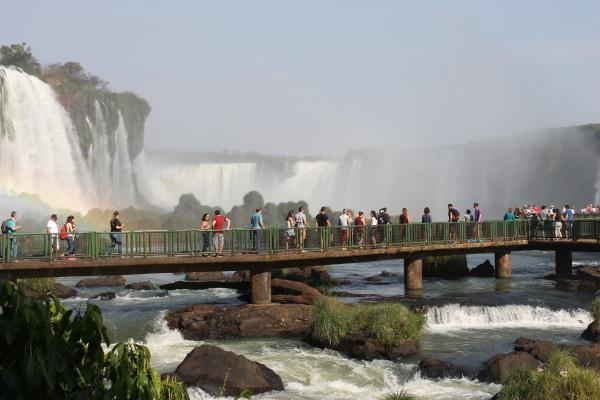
(40, 153)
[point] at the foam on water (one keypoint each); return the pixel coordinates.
(456, 316)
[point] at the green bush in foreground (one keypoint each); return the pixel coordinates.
(50, 352)
(595, 310)
(41, 286)
(390, 323)
(560, 379)
(401, 395)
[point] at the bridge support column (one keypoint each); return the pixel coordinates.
(563, 260)
(503, 264)
(260, 286)
(413, 273)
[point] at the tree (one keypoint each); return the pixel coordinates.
(50, 352)
(20, 56)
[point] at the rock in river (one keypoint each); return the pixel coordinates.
(114, 280)
(223, 373)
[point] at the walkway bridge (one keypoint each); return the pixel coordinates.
(148, 252)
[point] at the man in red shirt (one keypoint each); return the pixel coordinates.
(218, 223)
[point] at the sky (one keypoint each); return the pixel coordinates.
(324, 77)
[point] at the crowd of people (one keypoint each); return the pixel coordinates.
(297, 226)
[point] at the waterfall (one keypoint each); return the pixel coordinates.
(456, 316)
(40, 152)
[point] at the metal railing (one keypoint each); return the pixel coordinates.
(101, 245)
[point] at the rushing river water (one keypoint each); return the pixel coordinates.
(469, 320)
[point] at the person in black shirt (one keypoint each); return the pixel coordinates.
(322, 223)
(115, 235)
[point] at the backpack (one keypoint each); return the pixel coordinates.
(4, 227)
(455, 214)
(63, 232)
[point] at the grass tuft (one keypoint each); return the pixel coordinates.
(401, 395)
(391, 324)
(41, 286)
(561, 378)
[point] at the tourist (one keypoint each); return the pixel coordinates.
(543, 214)
(426, 217)
(116, 226)
(71, 230)
(290, 233)
(52, 230)
(383, 220)
(344, 222)
(218, 224)
(404, 220)
(11, 228)
(359, 221)
(468, 217)
(569, 219)
(478, 219)
(558, 224)
(256, 221)
(373, 228)
(322, 224)
(453, 217)
(204, 231)
(509, 215)
(517, 213)
(301, 225)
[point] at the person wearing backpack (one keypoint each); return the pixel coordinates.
(10, 227)
(116, 227)
(71, 230)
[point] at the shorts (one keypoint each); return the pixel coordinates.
(218, 240)
(290, 232)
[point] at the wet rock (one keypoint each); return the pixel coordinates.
(448, 267)
(313, 276)
(498, 368)
(373, 279)
(223, 373)
(205, 276)
(387, 274)
(578, 285)
(540, 349)
(63, 292)
(141, 286)
(483, 270)
(592, 332)
(209, 322)
(113, 280)
(364, 347)
(291, 292)
(588, 355)
(434, 368)
(104, 296)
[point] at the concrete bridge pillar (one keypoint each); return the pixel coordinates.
(260, 286)
(413, 273)
(503, 264)
(563, 260)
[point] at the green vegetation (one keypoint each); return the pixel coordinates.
(391, 324)
(20, 56)
(560, 379)
(595, 310)
(401, 395)
(51, 352)
(40, 286)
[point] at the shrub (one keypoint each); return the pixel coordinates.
(401, 395)
(595, 310)
(40, 286)
(560, 379)
(390, 323)
(50, 352)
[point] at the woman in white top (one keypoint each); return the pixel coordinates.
(290, 233)
(373, 228)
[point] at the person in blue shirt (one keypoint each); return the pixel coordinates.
(510, 215)
(12, 227)
(256, 221)
(569, 219)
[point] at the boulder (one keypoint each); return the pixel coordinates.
(448, 267)
(209, 322)
(588, 355)
(364, 347)
(113, 280)
(104, 296)
(484, 270)
(373, 279)
(387, 274)
(578, 285)
(63, 292)
(498, 368)
(284, 291)
(141, 286)
(592, 332)
(540, 349)
(223, 373)
(205, 276)
(434, 368)
(589, 273)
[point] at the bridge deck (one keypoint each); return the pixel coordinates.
(187, 263)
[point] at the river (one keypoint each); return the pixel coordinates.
(469, 320)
